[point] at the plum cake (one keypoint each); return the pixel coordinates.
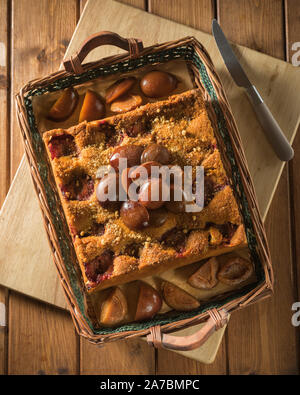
(120, 240)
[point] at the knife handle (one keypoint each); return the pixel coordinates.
(272, 130)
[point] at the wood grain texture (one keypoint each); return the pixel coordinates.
(194, 13)
(292, 14)
(292, 22)
(135, 3)
(43, 336)
(51, 24)
(4, 102)
(261, 338)
(42, 339)
(4, 148)
(82, 4)
(3, 330)
(254, 23)
(122, 357)
(14, 226)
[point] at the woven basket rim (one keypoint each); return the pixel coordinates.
(262, 288)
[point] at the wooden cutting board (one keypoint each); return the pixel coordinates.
(25, 260)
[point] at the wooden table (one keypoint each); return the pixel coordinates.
(40, 339)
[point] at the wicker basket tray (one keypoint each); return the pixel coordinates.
(204, 76)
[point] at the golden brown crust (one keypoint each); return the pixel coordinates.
(101, 239)
(124, 264)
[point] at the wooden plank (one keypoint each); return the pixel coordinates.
(82, 4)
(292, 14)
(4, 105)
(261, 339)
(255, 24)
(42, 339)
(198, 15)
(3, 330)
(44, 336)
(41, 56)
(277, 312)
(257, 336)
(142, 4)
(194, 13)
(4, 153)
(135, 3)
(45, 273)
(292, 21)
(124, 357)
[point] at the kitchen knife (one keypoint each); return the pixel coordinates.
(272, 130)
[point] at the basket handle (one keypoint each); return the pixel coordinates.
(132, 45)
(217, 319)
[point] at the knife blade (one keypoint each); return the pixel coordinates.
(272, 130)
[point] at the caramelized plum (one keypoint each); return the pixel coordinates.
(175, 239)
(125, 179)
(143, 171)
(235, 271)
(177, 298)
(176, 206)
(80, 188)
(210, 189)
(158, 217)
(98, 229)
(126, 103)
(111, 137)
(150, 194)
(130, 152)
(158, 84)
(129, 185)
(227, 230)
(64, 106)
(108, 189)
(114, 308)
(134, 215)
(92, 108)
(119, 88)
(61, 145)
(157, 153)
(139, 126)
(149, 302)
(133, 250)
(206, 276)
(98, 267)
(86, 189)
